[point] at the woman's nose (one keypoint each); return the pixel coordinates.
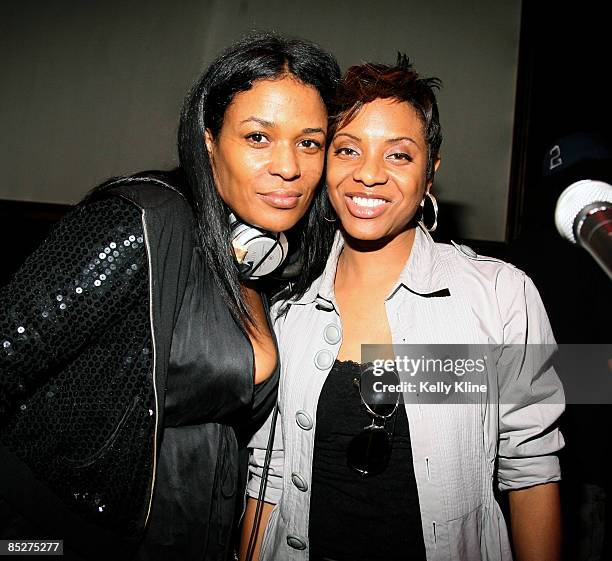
(370, 172)
(284, 162)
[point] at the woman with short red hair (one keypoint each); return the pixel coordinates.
(418, 481)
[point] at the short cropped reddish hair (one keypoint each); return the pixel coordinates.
(366, 82)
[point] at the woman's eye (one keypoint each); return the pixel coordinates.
(309, 143)
(257, 138)
(345, 152)
(401, 156)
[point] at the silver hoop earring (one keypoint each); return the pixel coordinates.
(329, 219)
(434, 204)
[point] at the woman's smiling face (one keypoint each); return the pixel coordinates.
(376, 170)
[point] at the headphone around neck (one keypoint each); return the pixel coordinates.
(258, 252)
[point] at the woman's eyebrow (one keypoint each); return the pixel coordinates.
(388, 141)
(262, 122)
(271, 125)
(349, 135)
(313, 130)
(391, 140)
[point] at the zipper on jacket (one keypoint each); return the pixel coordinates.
(427, 466)
(244, 501)
(153, 344)
(434, 534)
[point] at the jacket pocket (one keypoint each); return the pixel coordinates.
(76, 463)
(465, 535)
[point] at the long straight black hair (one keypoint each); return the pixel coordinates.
(258, 56)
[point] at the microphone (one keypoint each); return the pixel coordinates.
(583, 216)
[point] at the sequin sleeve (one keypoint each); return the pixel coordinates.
(82, 278)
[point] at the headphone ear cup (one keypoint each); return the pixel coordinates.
(263, 251)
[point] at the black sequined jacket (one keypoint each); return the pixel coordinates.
(86, 405)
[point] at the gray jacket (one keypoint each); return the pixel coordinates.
(445, 294)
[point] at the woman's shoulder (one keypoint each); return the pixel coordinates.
(91, 222)
(503, 296)
(465, 263)
(145, 205)
(491, 281)
(146, 190)
(484, 278)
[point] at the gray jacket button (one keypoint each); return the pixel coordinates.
(303, 419)
(299, 482)
(296, 542)
(332, 334)
(323, 359)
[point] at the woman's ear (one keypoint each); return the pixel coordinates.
(437, 163)
(435, 170)
(209, 143)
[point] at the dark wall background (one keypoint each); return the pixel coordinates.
(94, 89)
(562, 88)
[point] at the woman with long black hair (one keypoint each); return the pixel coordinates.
(135, 350)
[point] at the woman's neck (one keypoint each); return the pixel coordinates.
(376, 264)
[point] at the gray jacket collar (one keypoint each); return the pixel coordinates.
(423, 274)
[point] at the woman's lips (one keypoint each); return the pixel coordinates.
(360, 211)
(281, 199)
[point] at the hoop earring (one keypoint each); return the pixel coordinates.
(329, 219)
(434, 204)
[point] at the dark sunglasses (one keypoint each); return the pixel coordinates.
(368, 453)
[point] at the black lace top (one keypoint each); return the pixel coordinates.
(354, 518)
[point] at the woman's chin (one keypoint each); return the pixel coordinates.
(279, 221)
(366, 232)
(372, 231)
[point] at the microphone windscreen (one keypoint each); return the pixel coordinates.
(576, 197)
